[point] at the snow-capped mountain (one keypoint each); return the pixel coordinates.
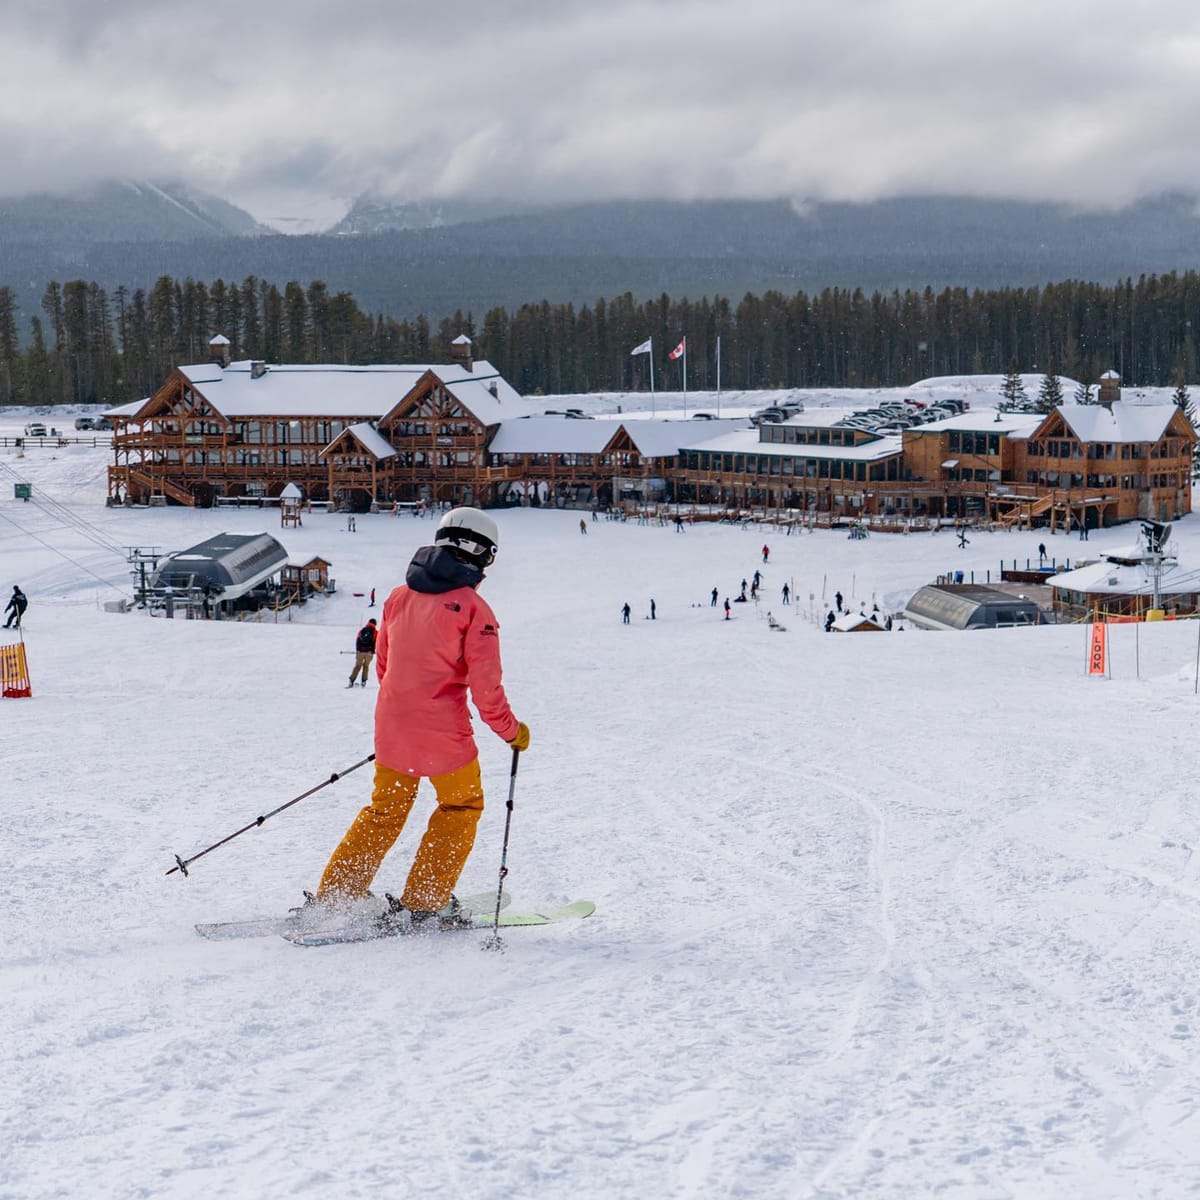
(122, 211)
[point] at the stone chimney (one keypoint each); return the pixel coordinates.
(1110, 389)
(218, 350)
(258, 370)
(461, 352)
(494, 388)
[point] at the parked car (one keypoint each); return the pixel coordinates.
(85, 423)
(703, 417)
(35, 429)
(102, 423)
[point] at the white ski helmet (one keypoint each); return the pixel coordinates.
(473, 533)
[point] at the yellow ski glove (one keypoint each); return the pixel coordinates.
(521, 741)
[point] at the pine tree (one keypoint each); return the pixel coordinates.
(1012, 391)
(9, 356)
(1083, 393)
(1183, 401)
(1050, 393)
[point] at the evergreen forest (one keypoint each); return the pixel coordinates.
(86, 346)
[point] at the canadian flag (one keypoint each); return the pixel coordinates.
(679, 350)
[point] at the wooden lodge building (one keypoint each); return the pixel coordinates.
(458, 433)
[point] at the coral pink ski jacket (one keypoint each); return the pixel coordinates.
(437, 638)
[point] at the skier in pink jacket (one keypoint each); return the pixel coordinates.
(437, 639)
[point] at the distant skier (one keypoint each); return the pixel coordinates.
(757, 579)
(652, 610)
(713, 602)
(372, 604)
(963, 540)
(583, 526)
(766, 552)
(787, 592)
(727, 608)
(364, 652)
(829, 620)
(837, 599)
(678, 523)
(18, 602)
(1041, 553)
(625, 611)
(438, 638)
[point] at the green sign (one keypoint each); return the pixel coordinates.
(22, 491)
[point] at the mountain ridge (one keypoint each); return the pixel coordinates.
(472, 261)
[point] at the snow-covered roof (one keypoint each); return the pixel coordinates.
(371, 440)
(474, 391)
(850, 621)
(334, 390)
(219, 340)
(461, 340)
(125, 410)
(553, 435)
(1120, 423)
(662, 439)
(566, 435)
(746, 442)
(985, 420)
(291, 492)
(1125, 579)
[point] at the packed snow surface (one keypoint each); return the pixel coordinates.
(886, 915)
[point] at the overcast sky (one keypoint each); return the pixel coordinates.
(294, 107)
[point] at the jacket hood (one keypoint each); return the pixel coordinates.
(434, 570)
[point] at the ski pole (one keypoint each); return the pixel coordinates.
(182, 864)
(495, 942)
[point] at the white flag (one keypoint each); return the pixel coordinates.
(644, 348)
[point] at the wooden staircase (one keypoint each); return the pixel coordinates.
(162, 487)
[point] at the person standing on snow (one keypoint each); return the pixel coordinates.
(18, 602)
(787, 593)
(364, 652)
(625, 611)
(766, 552)
(713, 602)
(438, 638)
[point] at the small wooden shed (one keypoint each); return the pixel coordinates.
(302, 577)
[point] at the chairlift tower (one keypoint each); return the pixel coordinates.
(140, 557)
(1156, 533)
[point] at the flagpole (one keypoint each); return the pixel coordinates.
(685, 376)
(718, 374)
(652, 374)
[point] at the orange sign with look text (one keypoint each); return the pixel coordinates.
(1098, 654)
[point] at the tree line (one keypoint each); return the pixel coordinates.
(85, 346)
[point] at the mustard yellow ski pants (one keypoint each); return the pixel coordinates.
(441, 855)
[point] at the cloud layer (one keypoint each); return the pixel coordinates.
(285, 103)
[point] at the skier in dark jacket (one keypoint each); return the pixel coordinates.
(364, 652)
(17, 604)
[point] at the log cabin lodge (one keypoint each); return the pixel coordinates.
(458, 433)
